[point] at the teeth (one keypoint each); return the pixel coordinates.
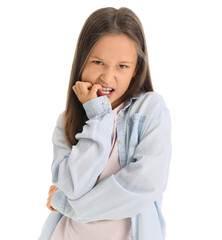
(107, 89)
(105, 92)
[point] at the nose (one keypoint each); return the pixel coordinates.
(107, 77)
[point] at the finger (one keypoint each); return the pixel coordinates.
(95, 89)
(84, 87)
(52, 188)
(50, 208)
(75, 89)
(48, 205)
(51, 194)
(87, 84)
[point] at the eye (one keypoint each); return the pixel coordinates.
(123, 66)
(97, 62)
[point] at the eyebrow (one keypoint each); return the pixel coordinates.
(103, 60)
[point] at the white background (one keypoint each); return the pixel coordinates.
(38, 40)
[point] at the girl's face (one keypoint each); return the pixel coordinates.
(112, 64)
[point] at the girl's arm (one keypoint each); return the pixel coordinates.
(75, 170)
(134, 187)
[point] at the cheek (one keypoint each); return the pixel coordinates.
(125, 85)
(88, 75)
(85, 77)
(127, 81)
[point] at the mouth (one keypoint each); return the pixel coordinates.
(105, 91)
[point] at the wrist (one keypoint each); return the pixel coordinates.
(97, 106)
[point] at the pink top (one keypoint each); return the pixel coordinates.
(68, 229)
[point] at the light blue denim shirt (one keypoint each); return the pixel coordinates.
(144, 145)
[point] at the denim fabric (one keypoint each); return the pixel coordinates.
(144, 144)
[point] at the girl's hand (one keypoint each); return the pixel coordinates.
(85, 91)
(52, 190)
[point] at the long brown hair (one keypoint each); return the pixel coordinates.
(102, 22)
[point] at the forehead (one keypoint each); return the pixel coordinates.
(116, 47)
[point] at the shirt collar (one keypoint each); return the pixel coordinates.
(131, 100)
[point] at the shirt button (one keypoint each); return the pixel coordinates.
(104, 102)
(121, 142)
(121, 114)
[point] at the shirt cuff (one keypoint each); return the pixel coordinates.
(97, 106)
(58, 201)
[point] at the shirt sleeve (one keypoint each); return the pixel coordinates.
(75, 170)
(134, 187)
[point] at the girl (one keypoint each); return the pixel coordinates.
(112, 144)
